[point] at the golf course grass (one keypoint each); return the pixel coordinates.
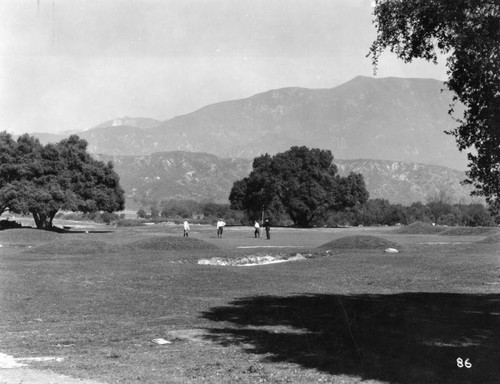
(133, 305)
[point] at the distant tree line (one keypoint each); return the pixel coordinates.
(381, 212)
(373, 212)
(202, 212)
(98, 217)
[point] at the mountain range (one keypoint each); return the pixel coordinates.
(395, 125)
(384, 119)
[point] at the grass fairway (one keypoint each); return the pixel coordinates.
(347, 313)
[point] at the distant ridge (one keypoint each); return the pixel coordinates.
(382, 119)
(206, 177)
(136, 122)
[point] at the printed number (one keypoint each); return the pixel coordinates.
(461, 363)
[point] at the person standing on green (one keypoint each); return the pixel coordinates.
(256, 230)
(267, 226)
(220, 228)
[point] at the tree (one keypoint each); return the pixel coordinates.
(301, 181)
(419, 212)
(439, 204)
(155, 212)
(476, 215)
(468, 33)
(375, 211)
(8, 172)
(62, 176)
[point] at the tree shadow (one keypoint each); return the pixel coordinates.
(400, 338)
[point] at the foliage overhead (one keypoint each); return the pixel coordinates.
(467, 32)
(41, 180)
(302, 182)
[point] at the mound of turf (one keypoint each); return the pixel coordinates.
(360, 242)
(27, 236)
(419, 228)
(469, 231)
(492, 239)
(175, 243)
(72, 247)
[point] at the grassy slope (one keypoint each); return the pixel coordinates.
(354, 314)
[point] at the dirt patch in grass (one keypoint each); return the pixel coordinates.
(360, 242)
(171, 243)
(251, 260)
(469, 231)
(34, 376)
(419, 228)
(27, 236)
(188, 335)
(73, 247)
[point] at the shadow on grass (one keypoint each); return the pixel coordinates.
(400, 338)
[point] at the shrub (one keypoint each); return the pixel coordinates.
(130, 222)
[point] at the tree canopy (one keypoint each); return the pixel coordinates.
(467, 32)
(301, 182)
(8, 172)
(41, 180)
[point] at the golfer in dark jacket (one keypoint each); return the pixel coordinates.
(267, 226)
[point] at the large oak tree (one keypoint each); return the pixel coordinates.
(467, 32)
(302, 182)
(41, 180)
(8, 172)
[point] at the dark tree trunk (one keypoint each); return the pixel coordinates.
(42, 220)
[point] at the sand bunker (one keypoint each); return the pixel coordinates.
(176, 243)
(419, 228)
(7, 361)
(360, 242)
(253, 260)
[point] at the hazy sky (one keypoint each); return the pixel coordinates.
(73, 64)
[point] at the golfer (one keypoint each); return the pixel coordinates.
(257, 229)
(220, 228)
(267, 226)
(186, 228)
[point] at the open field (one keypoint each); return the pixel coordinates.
(346, 312)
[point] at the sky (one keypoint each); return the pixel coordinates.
(74, 64)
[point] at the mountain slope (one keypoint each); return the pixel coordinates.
(119, 139)
(177, 175)
(136, 122)
(405, 183)
(390, 119)
(205, 177)
(126, 135)
(385, 119)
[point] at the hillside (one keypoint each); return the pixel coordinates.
(177, 175)
(383, 119)
(405, 183)
(136, 122)
(205, 177)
